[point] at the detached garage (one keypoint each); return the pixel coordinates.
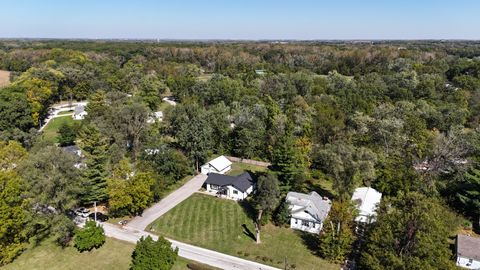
(219, 165)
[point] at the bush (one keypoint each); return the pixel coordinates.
(282, 214)
(150, 254)
(67, 134)
(90, 237)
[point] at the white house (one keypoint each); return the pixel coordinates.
(155, 117)
(366, 200)
(468, 251)
(308, 211)
(231, 187)
(219, 165)
(77, 152)
(79, 113)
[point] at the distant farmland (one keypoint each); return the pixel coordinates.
(4, 78)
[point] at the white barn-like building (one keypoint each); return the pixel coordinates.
(219, 165)
(308, 211)
(366, 200)
(468, 251)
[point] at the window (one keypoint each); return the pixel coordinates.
(296, 221)
(305, 223)
(235, 192)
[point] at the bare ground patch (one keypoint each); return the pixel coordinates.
(4, 78)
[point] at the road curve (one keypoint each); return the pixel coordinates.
(202, 255)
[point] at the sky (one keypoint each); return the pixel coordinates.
(241, 19)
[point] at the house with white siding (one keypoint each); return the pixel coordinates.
(468, 251)
(308, 211)
(366, 200)
(219, 165)
(230, 187)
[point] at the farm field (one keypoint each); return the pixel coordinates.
(225, 226)
(4, 78)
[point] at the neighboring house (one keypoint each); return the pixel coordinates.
(74, 150)
(308, 211)
(366, 200)
(79, 113)
(155, 117)
(219, 165)
(468, 251)
(232, 187)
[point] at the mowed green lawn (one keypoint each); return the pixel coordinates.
(50, 132)
(239, 168)
(216, 224)
(114, 254)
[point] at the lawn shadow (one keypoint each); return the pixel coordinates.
(248, 233)
(310, 240)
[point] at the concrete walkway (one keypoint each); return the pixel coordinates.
(157, 210)
(202, 255)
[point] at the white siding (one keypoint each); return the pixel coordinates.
(207, 168)
(467, 263)
(304, 225)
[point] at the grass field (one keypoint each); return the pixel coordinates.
(50, 132)
(239, 168)
(4, 78)
(115, 254)
(218, 224)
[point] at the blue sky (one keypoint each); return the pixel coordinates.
(241, 19)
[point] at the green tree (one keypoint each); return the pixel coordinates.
(67, 134)
(129, 192)
(469, 192)
(266, 199)
(151, 90)
(153, 255)
(94, 181)
(13, 235)
(337, 236)
(90, 237)
(411, 232)
(282, 214)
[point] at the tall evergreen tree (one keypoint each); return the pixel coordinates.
(94, 175)
(469, 193)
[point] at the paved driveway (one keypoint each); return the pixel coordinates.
(206, 256)
(157, 210)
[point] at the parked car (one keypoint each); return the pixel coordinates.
(100, 217)
(82, 212)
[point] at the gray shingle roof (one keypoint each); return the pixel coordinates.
(241, 182)
(312, 203)
(79, 109)
(468, 247)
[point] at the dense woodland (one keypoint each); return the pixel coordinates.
(402, 117)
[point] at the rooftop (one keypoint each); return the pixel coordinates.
(220, 163)
(366, 200)
(241, 182)
(468, 247)
(312, 203)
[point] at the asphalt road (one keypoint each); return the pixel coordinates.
(205, 256)
(157, 210)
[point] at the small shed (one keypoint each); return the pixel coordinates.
(219, 165)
